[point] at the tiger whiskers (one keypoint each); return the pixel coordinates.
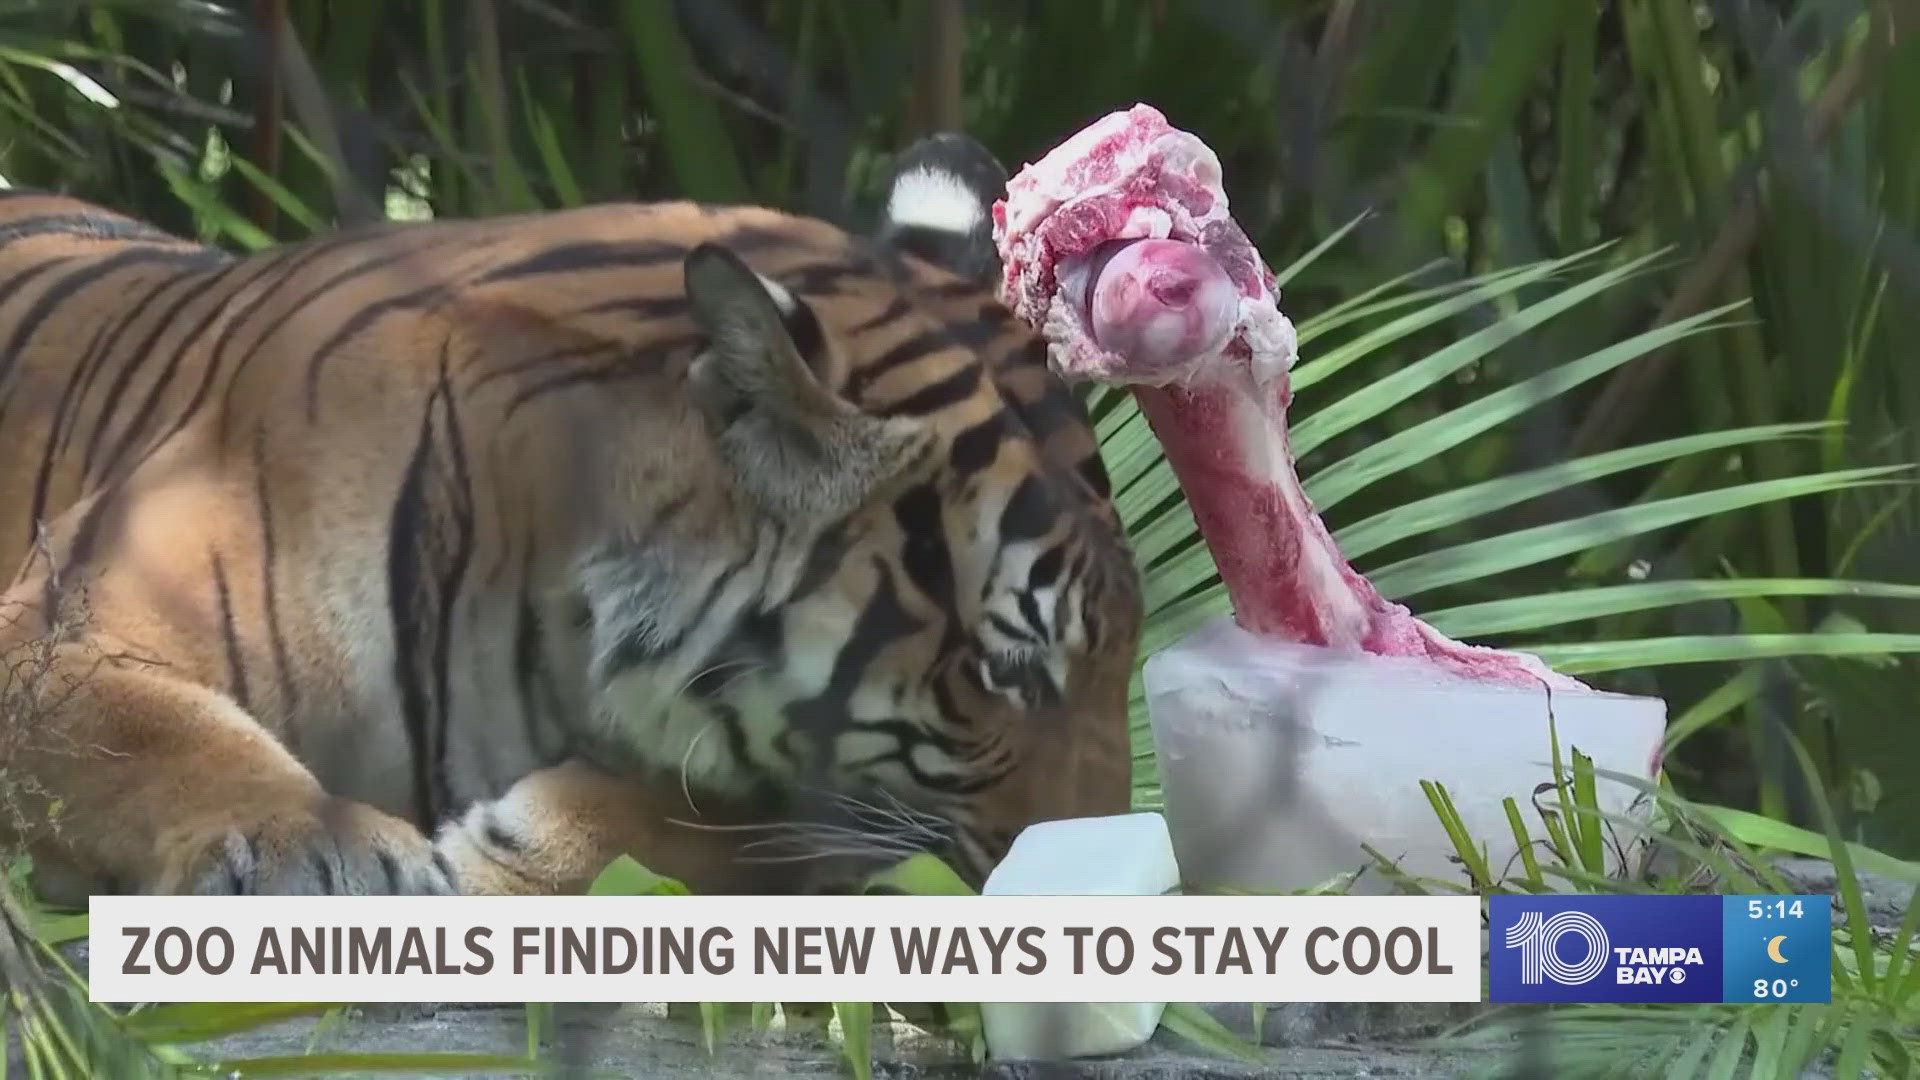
(869, 830)
(746, 666)
(686, 788)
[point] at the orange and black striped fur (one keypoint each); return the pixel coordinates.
(468, 555)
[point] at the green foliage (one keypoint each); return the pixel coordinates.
(856, 1035)
(1535, 572)
(1872, 1023)
(624, 876)
(1605, 309)
(1616, 220)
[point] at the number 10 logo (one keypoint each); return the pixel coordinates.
(1537, 937)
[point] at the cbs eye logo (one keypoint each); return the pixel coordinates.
(1538, 939)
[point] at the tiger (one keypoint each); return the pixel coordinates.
(467, 555)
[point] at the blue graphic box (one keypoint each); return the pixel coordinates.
(1777, 948)
(1637, 949)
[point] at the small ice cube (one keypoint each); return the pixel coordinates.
(1279, 760)
(1122, 855)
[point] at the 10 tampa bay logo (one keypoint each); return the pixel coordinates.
(1604, 948)
(1538, 937)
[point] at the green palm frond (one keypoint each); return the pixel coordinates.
(45, 1017)
(1559, 608)
(1183, 589)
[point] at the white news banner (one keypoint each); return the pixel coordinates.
(823, 948)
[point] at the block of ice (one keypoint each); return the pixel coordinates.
(1278, 760)
(1122, 855)
(1119, 855)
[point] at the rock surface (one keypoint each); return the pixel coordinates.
(1886, 898)
(640, 1040)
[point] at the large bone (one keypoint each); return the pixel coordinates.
(1118, 247)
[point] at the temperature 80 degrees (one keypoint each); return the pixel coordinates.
(1763, 989)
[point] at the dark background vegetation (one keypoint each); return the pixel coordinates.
(1759, 153)
(1770, 150)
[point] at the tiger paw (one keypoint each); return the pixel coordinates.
(336, 848)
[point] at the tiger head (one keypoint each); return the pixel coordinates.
(931, 616)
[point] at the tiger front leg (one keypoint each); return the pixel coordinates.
(557, 828)
(125, 779)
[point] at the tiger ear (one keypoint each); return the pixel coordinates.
(939, 208)
(803, 452)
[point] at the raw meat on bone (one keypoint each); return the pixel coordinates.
(1118, 247)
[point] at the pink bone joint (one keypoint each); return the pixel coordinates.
(1118, 247)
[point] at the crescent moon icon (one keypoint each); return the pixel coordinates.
(1773, 949)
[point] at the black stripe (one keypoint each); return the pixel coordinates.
(364, 316)
(1011, 629)
(975, 680)
(91, 270)
(547, 359)
(639, 307)
(50, 453)
(104, 350)
(141, 354)
(592, 255)
(951, 390)
(429, 547)
(809, 340)
(402, 585)
(915, 347)
(44, 308)
(736, 736)
(908, 736)
(1029, 513)
(1093, 469)
(1052, 411)
(454, 576)
(925, 555)
(624, 367)
(758, 237)
(269, 561)
(8, 288)
(896, 308)
(527, 662)
(821, 719)
(633, 648)
(533, 674)
(80, 552)
(822, 278)
(236, 665)
(1046, 569)
(1030, 611)
(290, 261)
(987, 327)
(27, 276)
(974, 449)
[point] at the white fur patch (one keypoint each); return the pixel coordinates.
(782, 299)
(932, 199)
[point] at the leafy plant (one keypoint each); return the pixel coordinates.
(1470, 154)
(1674, 462)
(1183, 589)
(1872, 1023)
